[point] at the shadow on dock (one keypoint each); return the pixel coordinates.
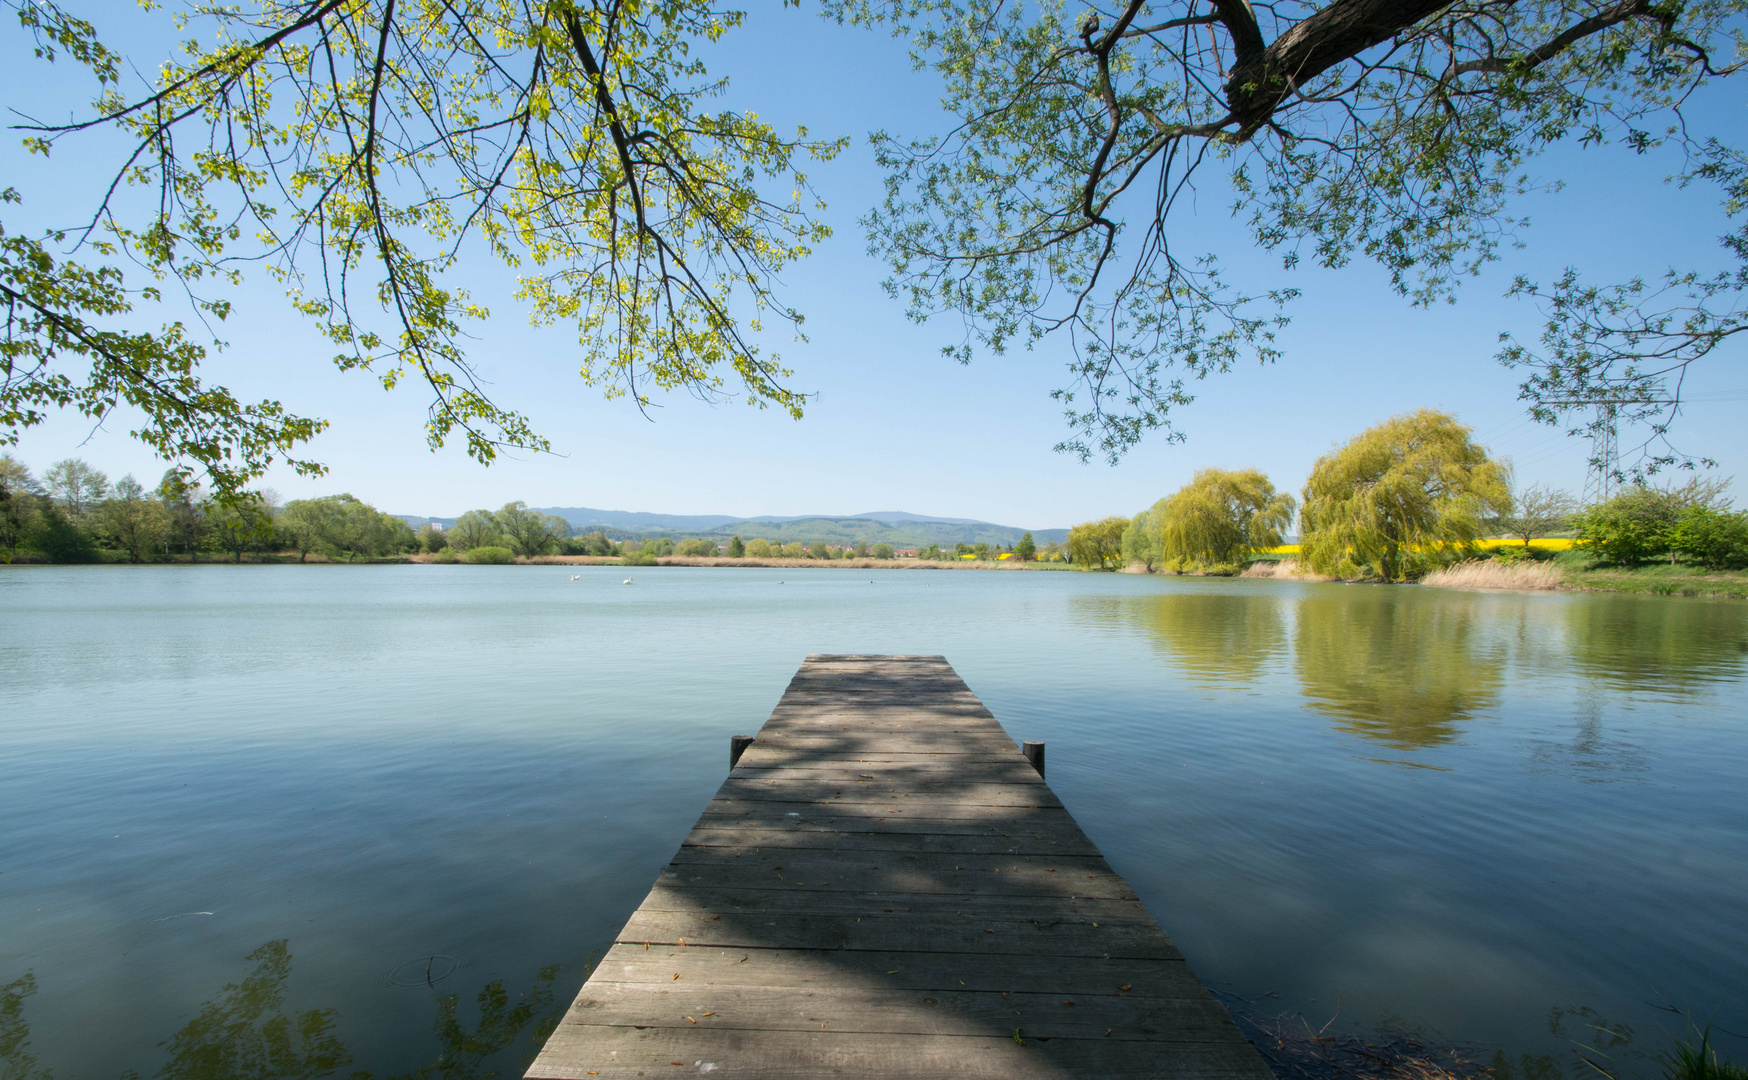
(884, 886)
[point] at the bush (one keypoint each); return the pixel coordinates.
(595, 543)
(445, 555)
(883, 551)
(794, 551)
(1717, 539)
(1633, 527)
(699, 548)
(759, 549)
(491, 555)
(1640, 523)
(58, 539)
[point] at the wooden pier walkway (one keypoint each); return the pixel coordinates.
(885, 887)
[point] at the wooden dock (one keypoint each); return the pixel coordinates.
(885, 887)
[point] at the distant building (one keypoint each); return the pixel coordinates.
(906, 553)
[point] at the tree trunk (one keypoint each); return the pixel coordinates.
(1262, 82)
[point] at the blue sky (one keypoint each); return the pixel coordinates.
(894, 425)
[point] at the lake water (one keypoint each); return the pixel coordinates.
(410, 803)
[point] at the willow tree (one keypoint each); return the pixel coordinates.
(359, 153)
(1410, 492)
(1397, 131)
(1140, 542)
(1221, 517)
(1097, 545)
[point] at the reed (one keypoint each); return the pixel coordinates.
(1284, 569)
(1699, 1061)
(1494, 574)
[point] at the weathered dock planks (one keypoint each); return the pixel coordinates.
(885, 887)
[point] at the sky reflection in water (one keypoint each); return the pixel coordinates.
(1459, 810)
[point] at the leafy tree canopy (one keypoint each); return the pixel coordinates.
(1397, 131)
(1140, 542)
(1717, 539)
(1220, 517)
(1641, 522)
(1536, 511)
(358, 153)
(1410, 491)
(1097, 545)
(529, 532)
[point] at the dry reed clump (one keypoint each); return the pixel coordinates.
(1285, 569)
(1495, 574)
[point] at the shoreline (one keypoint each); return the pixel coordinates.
(1650, 580)
(423, 559)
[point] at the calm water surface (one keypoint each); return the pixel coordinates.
(403, 807)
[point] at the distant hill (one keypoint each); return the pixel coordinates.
(894, 517)
(917, 532)
(584, 518)
(896, 527)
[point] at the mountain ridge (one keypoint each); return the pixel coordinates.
(897, 527)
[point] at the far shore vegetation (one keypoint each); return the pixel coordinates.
(1415, 499)
(1412, 500)
(74, 513)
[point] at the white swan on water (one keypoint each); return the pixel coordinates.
(576, 577)
(627, 581)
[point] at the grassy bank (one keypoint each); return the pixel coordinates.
(1576, 571)
(1657, 579)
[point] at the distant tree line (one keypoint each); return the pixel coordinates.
(74, 513)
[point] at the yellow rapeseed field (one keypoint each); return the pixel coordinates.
(1551, 543)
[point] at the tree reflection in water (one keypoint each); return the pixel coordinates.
(1216, 637)
(16, 1063)
(244, 1032)
(1396, 667)
(1660, 645)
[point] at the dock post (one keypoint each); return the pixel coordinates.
(737, 745)
(1034, 751)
